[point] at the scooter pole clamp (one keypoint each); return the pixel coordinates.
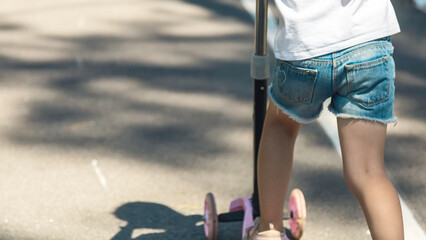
(259, 66)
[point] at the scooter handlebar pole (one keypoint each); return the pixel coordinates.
(259, 71)
(261, 27)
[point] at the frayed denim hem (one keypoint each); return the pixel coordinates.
(347, 116)
(293, 115)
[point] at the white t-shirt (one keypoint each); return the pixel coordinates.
(310, 28)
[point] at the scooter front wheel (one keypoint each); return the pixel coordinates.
(210, 218)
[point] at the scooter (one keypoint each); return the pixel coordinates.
(246, 209)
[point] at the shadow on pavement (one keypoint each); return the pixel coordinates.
(79, 115)
(152, 221)
(405, 151)
(158, 221)
(224, 8)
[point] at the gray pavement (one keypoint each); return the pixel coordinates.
(117, 117)
(406, 145)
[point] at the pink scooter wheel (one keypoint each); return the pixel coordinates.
(297, 209)
(210, 218)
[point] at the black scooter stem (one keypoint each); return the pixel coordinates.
(259, 72)
(260, 91)
(261, 27)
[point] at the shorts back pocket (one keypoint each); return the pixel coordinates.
(294, 84)
(369, 82)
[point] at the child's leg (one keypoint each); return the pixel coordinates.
(275, 161)
(362, 144)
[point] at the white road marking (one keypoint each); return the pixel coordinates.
(328, 122)
(99, 174)
(412, 229)
(139, 232)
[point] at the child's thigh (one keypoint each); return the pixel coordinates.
(362, 143)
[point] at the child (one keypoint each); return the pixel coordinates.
(339, 49)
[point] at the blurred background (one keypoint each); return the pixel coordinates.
(118, 116)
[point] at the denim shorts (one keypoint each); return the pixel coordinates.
(359, 80)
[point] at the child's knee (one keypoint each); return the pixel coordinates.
(358, 179)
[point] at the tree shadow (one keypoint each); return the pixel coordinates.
(81, 116)
(223, 8)
(404, 156)
(410, 58)
(10, 27)
(77, 106)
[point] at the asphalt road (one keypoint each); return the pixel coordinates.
(118, 116)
